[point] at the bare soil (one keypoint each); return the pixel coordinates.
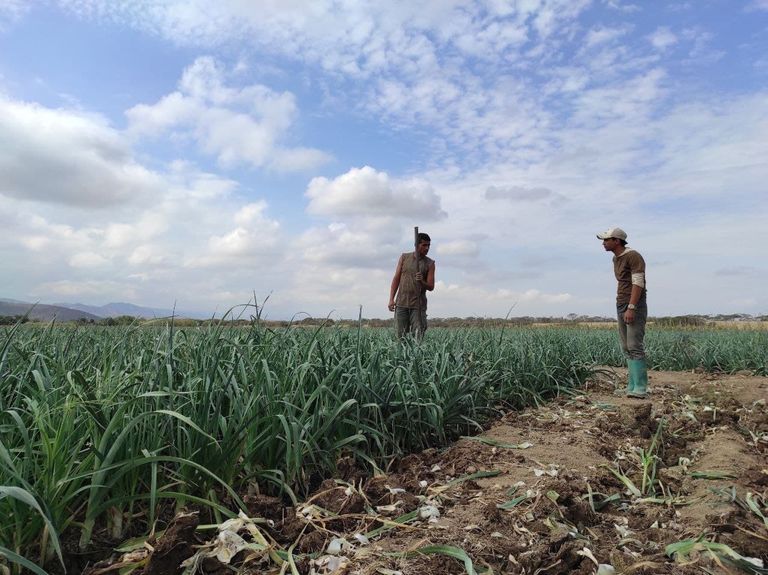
(536, 493)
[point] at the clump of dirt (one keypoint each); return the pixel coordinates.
(174, 547)
(585, 480)
(265, 506)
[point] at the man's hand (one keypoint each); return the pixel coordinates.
(391, 305)
(419, 277)
(629, 316)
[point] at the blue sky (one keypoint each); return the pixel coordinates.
(202, 152)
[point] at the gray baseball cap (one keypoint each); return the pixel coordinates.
(617, 233)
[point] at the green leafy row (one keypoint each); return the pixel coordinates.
(99, 426)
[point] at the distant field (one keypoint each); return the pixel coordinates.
(742, 325)
(709, 325)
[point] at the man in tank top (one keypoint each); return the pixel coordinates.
(631, 307)
(414, 276)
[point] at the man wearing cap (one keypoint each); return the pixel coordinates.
(631, 307)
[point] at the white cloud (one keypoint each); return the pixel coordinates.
(567, 80)
(464, 248)
(238, 242)
(412, 63)
(237, 125)
(701, 52)
(93, 289)
(298, 159)
(254, 242)
(34, 242)
(87, 260)
(357, 38)
(492, 302)
(363, 245)
(146, 246)
(147, 255)
(12, 10)
(709, 148)
(154, 120)
(143, 227)
(631, 99)
(67, 157)
(520, 194)
(758, 5)
(662, 38)
(250, 213)
(368, 192)
(604, 35)
(510, 131)
(619, 5)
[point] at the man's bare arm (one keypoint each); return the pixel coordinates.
(395, 284)
(430, 283)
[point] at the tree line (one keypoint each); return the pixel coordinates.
(690, 320)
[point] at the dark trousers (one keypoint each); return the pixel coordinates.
(410, 320)
(632, 334)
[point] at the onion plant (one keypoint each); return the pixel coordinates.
(101, 427)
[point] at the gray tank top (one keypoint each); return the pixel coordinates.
(409, 291)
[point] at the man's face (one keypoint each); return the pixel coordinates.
(609, 244)
(423, 248)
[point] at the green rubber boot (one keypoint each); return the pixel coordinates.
(638, 378)
(630, 384)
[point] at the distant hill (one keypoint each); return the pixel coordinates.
(43, 312)
(8, 300)
(118, 309)
(75, 311)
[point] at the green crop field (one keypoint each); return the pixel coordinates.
(101, 429)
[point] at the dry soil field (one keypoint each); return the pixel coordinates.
(590, 483)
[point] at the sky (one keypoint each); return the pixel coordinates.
(205, 154)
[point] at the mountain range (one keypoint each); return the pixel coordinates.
(116, 309)
(77, 311)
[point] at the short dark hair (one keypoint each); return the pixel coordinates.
(422, 237)
(623, 242)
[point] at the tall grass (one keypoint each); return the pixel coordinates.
(102, 427)
(716, 350)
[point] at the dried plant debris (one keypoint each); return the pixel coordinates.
(587, 484)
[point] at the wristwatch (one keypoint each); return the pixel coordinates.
(631, 306)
